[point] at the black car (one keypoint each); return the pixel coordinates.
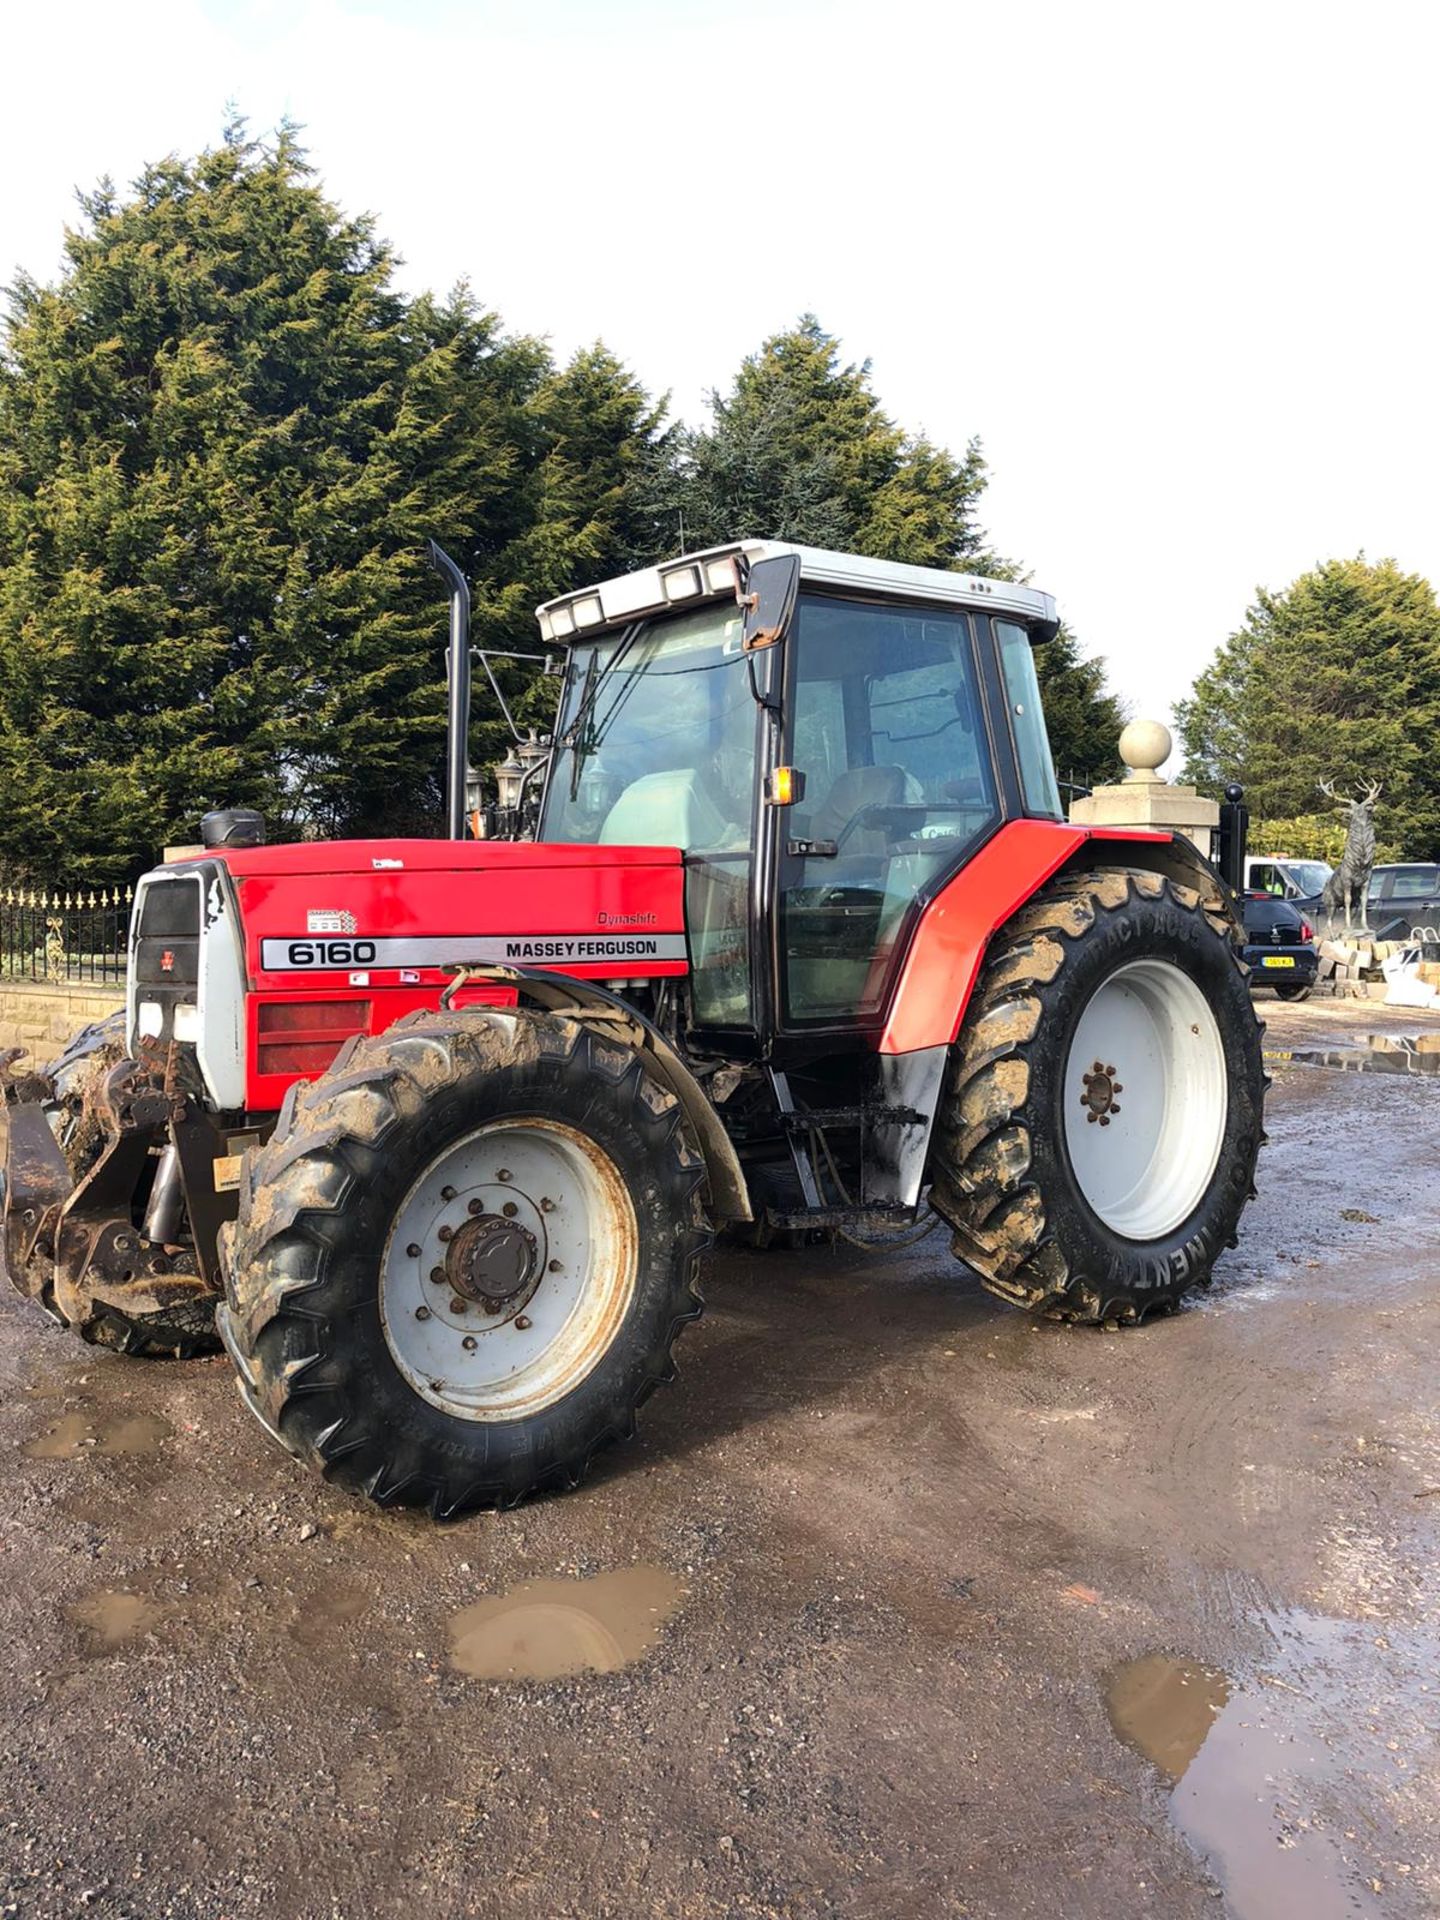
(1402, 898)
(1279, 945)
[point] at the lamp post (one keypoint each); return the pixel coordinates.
(509, 776)
(475, 801)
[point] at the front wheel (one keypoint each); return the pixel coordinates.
(462, 1261)
(1097, 1139)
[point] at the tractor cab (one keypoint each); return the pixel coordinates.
(828, 739)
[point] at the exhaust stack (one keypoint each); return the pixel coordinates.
(457, 679)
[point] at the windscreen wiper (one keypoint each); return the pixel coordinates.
(594, 680)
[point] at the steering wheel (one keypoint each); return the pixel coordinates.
(888, 814)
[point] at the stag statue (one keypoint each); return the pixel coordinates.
(1350, 881)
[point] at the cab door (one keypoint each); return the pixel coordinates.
(886, 720)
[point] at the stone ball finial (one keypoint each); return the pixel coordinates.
(1145, 746)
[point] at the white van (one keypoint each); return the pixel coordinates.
(1285, 877)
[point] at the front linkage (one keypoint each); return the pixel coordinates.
(103, 1157)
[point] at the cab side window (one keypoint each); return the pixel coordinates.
(888, 734)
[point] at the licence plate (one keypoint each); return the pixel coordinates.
(1278, 960)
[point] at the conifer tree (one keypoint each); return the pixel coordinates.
(1335, 678)
(224, 440)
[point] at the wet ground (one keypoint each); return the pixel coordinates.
(900, 1606)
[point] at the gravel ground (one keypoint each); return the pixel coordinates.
(881, 1564)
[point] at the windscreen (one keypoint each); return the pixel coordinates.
(656, 742)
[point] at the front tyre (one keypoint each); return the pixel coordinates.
(463, 1259)
(1097, 1139)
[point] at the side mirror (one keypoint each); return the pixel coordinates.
(767, 591)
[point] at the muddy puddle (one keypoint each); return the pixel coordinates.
(79, 1434)
(548, 1629)
(1260, 1769)
(324, 1618)
(1405, 1053)
(113, 1618)
(1165, 1707)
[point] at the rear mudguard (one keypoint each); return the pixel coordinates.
(948, 946)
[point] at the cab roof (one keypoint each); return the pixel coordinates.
(692, 578)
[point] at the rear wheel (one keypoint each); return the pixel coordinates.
(463, 1259)
(1098, 1136)
(1300, 991)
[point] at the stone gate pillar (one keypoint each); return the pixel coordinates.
(1143, 799)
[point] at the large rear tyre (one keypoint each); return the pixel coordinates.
(69, 1084)
(462, 1261)
(1097, 1138)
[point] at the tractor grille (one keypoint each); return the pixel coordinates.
(167, 940)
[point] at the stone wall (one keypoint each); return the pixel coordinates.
(42, 1015)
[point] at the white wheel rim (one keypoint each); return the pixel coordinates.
(1145, 1090)
(536, 1212)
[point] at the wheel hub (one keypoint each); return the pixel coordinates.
(491, 1259)
(1098, 1099)
(1144, 1171)
(508, 1269)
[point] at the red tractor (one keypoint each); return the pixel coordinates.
(790, 933)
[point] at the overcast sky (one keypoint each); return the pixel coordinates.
(1174, 264)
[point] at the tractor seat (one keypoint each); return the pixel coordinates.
(856, 789)
(665, 810)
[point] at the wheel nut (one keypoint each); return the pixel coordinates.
(1104, 1119)
(1117, 1088)
(422, 1313)
(509, 1209)
(469, 1343)
(437, 1275)
(476, 1206)
(522, 1322)
(557, 1266)
(413, 1251)
(504, 1174)
(457, 1305)
(547, 1206)
(1092, 1117)
(446, 1233)
(447, 1193)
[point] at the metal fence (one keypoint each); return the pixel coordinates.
(78, 934)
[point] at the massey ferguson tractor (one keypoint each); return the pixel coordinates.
(791, 935)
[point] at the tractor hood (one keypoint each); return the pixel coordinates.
(267, 957)
(433, 856)
(398, 912)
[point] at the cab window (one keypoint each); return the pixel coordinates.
(886, 728)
